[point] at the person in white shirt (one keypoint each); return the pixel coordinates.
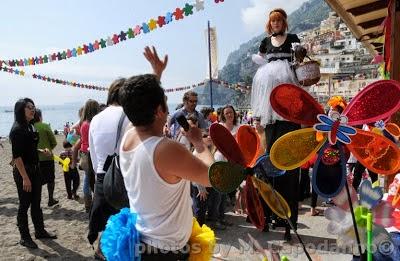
(102, 141)
(157, 171)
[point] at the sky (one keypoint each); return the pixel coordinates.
(33, 28)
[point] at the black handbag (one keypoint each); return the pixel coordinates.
(113, 183)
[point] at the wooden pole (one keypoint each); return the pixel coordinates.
(395, 42)
(209, 63)
(394, 57)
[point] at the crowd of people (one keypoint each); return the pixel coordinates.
(164, 167)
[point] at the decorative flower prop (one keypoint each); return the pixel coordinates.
(378, 100)
(204, 238)
(227, 176)
(337, 101)
(119, 239)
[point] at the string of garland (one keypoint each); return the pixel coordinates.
(237, 87)
(116, 38)
(52, 80)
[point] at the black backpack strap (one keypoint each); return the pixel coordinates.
(120, 123)
(109, 159)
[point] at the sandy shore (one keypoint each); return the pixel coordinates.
(69, 220)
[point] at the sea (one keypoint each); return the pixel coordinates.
(55, 115)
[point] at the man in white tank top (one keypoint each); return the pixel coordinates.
(157, 171)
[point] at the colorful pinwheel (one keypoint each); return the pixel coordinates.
(377, 101)
(227, 176)
(389, 130)
(372, 217)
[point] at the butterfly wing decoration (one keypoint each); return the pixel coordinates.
(254, 208)
(225, 176)
(393, 129)
(375, 152)
(379, 100)
(369, 196)
(274, 200)
(295, 148)
(226, 144)
(249, 144)
(295, 104)
(264, 168)
(328, 180)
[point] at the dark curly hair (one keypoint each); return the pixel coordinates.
(140, 96)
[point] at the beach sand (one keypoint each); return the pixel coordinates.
(69, 221)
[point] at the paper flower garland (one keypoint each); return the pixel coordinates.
(52, 80)
(101, 88)
(145, 27)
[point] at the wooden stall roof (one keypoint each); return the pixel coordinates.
(364, 19)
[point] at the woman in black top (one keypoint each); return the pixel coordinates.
(24, 140)
(274, 58)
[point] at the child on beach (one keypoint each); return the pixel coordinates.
(71, 177)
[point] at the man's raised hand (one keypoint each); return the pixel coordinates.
(157, 64)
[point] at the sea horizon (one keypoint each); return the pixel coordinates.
(57, 115)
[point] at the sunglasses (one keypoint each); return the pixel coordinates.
(30, 107)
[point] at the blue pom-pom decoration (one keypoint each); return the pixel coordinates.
(119, 239)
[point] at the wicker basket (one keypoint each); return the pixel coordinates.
(308, 73)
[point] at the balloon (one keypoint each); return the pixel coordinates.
(65, 163)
